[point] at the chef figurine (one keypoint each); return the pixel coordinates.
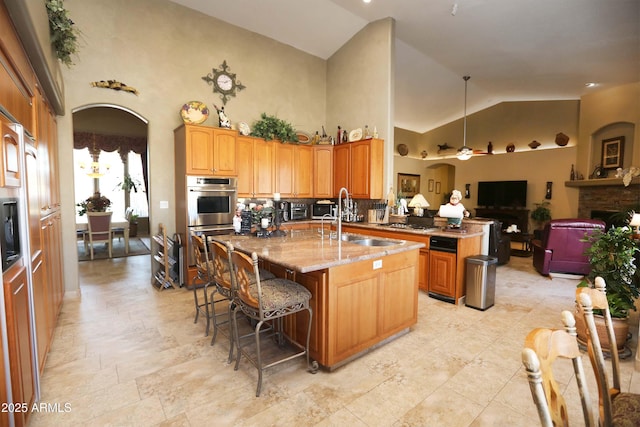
(454, 210)
(454, 202)
(237, 218)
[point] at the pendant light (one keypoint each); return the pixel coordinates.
(464, 152)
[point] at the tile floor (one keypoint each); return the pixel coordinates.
(127, 355)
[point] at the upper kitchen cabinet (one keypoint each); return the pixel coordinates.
(359, 167)
(323, 167)
(208, 151)
(47, 146)
(256, 167)
(16, 75)
(294, 170)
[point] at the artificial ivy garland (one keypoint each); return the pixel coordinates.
(64, 36)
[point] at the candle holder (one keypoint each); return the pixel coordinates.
(277, 222)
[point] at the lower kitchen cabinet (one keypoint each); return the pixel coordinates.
(442, 273)
(16, 300)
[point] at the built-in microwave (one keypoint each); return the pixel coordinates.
(9, 232)
(320, 209)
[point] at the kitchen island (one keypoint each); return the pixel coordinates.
(362, 296)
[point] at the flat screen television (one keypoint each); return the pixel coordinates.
(502, 194)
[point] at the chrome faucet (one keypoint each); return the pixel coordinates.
(346, 194)
(322, 225)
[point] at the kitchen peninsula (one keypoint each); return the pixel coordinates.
(362, 296)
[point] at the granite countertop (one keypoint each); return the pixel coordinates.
(306, 250)
(435, 231)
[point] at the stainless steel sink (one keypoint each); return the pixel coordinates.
(375, 242)
(351, 237)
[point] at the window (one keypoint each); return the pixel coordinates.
(109, 184)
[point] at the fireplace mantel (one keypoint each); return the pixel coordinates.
(600, 182)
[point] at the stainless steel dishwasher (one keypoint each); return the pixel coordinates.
(448, 245)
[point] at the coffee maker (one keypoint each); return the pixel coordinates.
(285, 211)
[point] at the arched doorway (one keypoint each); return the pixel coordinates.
(110, 157)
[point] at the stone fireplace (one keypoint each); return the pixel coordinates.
(600, 199)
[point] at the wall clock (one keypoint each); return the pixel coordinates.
(224, 82)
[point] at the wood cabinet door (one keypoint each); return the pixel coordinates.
(442, 273)
(224, 152)
(199, 150)
(285, 170)
(244, 146)
(16, 298)
(360, 173)
(341, 167)
(303, 171)
(10, 176)
(263, 168)
(42, 305)
(323, 171)
(423, 268)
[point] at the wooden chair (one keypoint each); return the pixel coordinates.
(99, 230)
(615, 408)
(542, 348)
(266, 301)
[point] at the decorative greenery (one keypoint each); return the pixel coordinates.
(271, 127)
(64, 35)
(128, 184)
(95, 203)
(611, 256)
(259, 212)
(541, 213)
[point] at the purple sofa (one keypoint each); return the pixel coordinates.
(560, 250)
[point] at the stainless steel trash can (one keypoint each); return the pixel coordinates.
(481, 281)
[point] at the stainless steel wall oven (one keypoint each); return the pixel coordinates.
(211, 201)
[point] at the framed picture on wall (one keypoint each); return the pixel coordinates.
(438, 187)
(612, 152)
(408, 184)
(431, 186)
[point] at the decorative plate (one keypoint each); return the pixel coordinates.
(355, 135)
(244, 129)
(194, 112)
(403, 150)
(303, 137)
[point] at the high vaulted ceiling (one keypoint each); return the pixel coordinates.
(514, 50)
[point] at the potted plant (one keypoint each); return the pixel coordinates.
(95, 203)
(271, 127)
(612, 257)
(128, 184)
(133, 224)
(540, 215)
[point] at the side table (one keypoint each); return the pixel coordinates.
(525, 239)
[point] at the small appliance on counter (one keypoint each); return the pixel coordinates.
(284, 209)
(324, 207)
(298, 211)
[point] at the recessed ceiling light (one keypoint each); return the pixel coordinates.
(591, 84)
(366, 1)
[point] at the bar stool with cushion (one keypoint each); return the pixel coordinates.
(202, 280)
(541, 350)
(266, 301)
(615, 407)
(221, 260)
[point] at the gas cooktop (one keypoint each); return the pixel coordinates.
(406, 226)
